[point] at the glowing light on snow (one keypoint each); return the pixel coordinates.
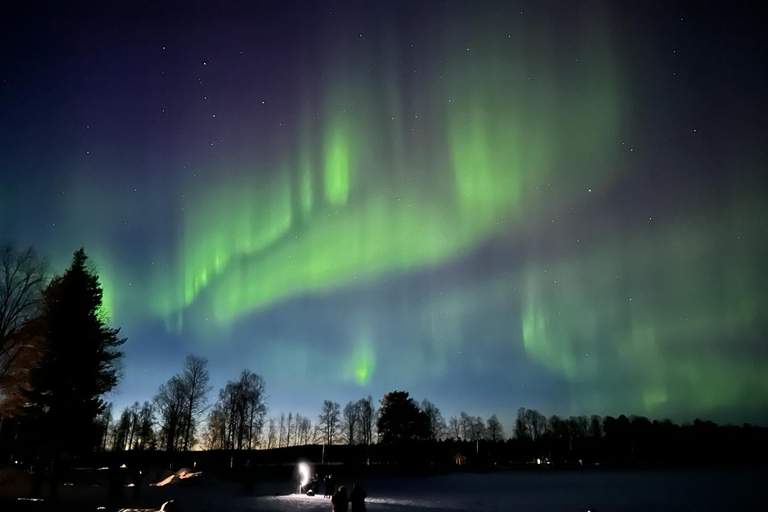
(304, 472)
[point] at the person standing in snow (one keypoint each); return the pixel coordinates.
(313, 483)
(340, 500)
(357, 498)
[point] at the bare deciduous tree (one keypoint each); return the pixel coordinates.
(530, 424)
(146, 435)
(494, 429)
(271, 434)
(472, 427)
(367, 411)
(215, 437)
(303, 430)
(289, 429)
(243, 404)
(328, 421)
(281, 431)
(195, 378)
(15, 382)
(170, 401)
(22, 280)
(180, 403)
(126, 429)
(436, 421)
(104, 421)
(349, 421)
(133, 428)
(454, 427)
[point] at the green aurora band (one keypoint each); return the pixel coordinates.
(359, 205)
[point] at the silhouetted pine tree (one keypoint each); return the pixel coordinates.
(79, 364)
(401, 420)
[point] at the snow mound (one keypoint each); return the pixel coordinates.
(174, 478)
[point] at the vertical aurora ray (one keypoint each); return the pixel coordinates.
(306, 183)
(339, 161)
(360, 364)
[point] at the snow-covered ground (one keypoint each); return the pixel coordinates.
(704, 490)
(548, 490)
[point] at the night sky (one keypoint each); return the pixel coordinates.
(556, 205)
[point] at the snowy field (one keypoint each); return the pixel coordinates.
(535, 490)
(699, 490)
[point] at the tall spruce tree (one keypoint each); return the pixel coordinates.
(80, 362)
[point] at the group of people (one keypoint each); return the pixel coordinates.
(340, 499)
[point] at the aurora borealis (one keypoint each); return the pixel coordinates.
(549, 205)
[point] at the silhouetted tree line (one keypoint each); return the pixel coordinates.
(631, 440)
(132, 431)
(291, 430)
